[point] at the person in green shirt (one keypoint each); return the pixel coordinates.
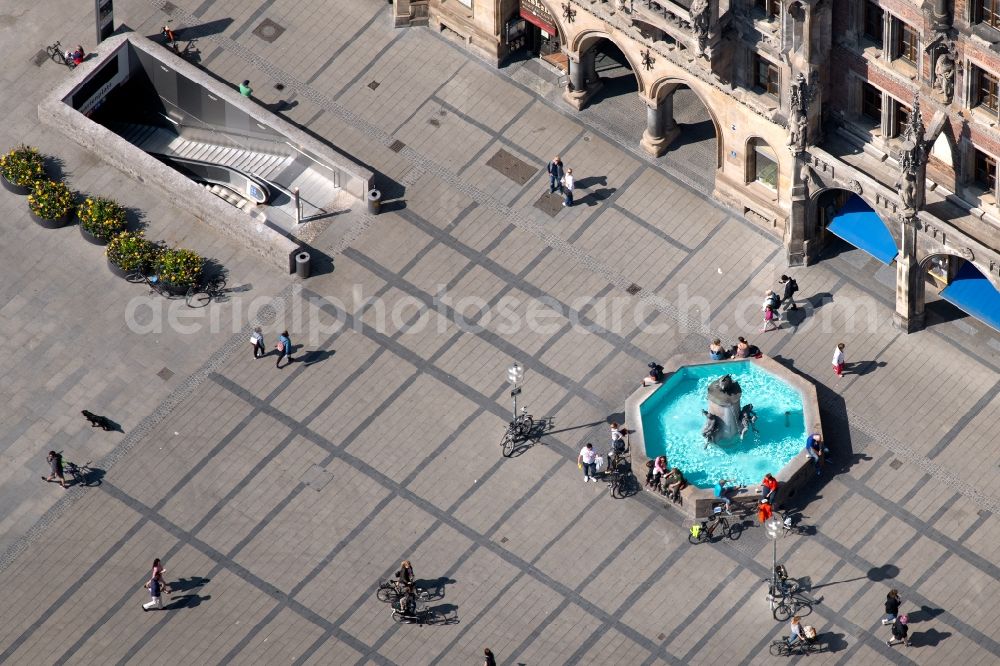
(245, 88)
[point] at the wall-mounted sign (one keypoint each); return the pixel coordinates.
(535, 12)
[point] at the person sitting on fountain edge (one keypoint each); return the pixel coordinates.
(721, 489)
(656, 472)
(767, 486)
(716, 352)
(655, 375)
(673, 483)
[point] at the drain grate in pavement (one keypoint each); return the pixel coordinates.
(396, 146)
(517, 170)
(434, 122)
(896, 463)
(268, 30)
(633, 289)
(503, 540)
(316, 478)
(550, 204)
(374, 84)
(165, 374)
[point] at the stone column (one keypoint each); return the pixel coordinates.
(401, 14)
(588, 62)
(909, 314)
(661, 129)
(796, 229)
(579, 92)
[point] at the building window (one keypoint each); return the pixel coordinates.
(985, 171)
(988, 12)
(984, 89)
(763, 165)
(871, 103)
(766, 76)
(769, 8)
(906, 43)
(874, 16)
(902, 120)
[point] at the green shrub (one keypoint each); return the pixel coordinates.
(102, 218)
(22, 166)
(180, 268)
(50, 199)
(130, 251)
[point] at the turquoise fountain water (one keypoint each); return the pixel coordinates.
(672, 420)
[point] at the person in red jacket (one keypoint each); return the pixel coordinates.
(767, 486)
(764, 511)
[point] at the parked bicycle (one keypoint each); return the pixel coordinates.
(707, 530)
(196, 296)
(414, 611)
(794, 603)
(517, 431)
(56, 54)
(782, 648)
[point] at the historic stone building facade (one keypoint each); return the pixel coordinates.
(891, 104)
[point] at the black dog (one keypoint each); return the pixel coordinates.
(97, 421)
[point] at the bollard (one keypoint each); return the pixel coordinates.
(374, 201)
(302, 264)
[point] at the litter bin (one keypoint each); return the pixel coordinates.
(374, 201)
(302, 264)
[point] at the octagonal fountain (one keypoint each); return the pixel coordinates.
(737, 420)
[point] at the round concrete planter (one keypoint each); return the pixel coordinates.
(50, 224)
(117, 271)
(14, 189)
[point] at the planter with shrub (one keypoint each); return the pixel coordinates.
(100, 219)
(129, 252)
(50, 203)
(20, 168)
(178, 269)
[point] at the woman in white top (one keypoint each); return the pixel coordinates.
(568, 188)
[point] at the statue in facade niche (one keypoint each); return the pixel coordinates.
(911, 161)
(799, 97)
(699, 22)
(944, 74)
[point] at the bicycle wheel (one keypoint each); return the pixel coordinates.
(734, 531)
(779, 649)
(783, 611)
(136, 277)
(722, 528)
(385, 594)
(507, 443)
(397, 616)
(695, 540)
(197, 297)
(617, 486)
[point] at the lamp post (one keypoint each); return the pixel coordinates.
(773, 528)
(515, 373)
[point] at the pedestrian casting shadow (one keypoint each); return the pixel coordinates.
(185, 584)
(884, 572)
(925, 614)
(315, 356)
(596, 197)
(863, 367)
(434, 587)
(807, 585)
(584, 183)
(929, 638)
(216, 27)
(806, 308)
(281, 105)
(186, 601)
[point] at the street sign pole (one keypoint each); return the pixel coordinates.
(104, 15)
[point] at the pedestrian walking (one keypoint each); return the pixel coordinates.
(770, 317)
(838, 359)
(587, 462)
(900, 632)
(555, 170)
(257, 342)
(787, 297)
(55, 468)
(568, 183)
(154, 585)
(245, 88)
(158, 570)
(284, 348)
(891, 606)
(490, 660)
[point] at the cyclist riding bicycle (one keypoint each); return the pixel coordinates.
(407, 604)
(404, 577)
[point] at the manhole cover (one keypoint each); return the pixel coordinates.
(896, 463)
(279, 86)
(516, 169)
(550, 204)
(396, 146)
(633, 289)
(434, 122)
(268, 30)
(165, 374)
(373, 85)
(316, 478)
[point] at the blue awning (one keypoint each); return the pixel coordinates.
(861, 226)
(972, 292)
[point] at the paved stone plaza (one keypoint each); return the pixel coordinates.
(278, 498)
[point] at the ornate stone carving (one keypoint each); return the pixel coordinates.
(700, 18)
(944, 73)
(801, 94)
(855, 187)
(912, 158)
(648, 60)
(568, 12)
(966, 253)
